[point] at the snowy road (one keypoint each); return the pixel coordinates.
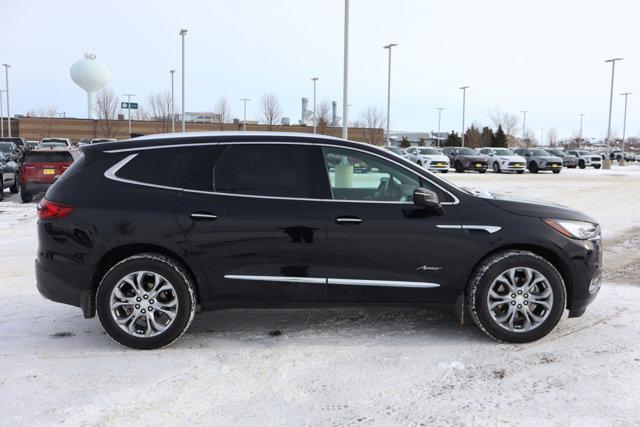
(339, 366)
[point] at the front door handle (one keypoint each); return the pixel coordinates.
(348, 220)
(203, 216)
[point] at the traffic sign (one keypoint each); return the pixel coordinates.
(129, 105)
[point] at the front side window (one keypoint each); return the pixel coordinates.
(358, 176)
(272, 170)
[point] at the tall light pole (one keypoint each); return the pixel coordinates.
(183, 33)
(624, 123)
(6, 77)
(345, 77)
(173, 104)
(607, 161)
(439, 117)
(580, 138)
(388, 47)
(464, 108)
(244, 120)
(315, 115)
(524, 125)
(1, 115)
(129, 95)
(541, 136)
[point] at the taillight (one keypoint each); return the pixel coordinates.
(53, 210)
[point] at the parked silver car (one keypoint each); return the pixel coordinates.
(568, 160)
(587, 158)
(540, 160)
(503, 160)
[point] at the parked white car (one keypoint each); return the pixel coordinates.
(503, 160)
(429, 158)
(587, 158)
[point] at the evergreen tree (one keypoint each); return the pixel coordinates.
(472, 137)
(500, 139)
(487, 137)
(404, 143)
(453, 140)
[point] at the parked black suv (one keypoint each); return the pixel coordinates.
(466, 159)
(146, 230)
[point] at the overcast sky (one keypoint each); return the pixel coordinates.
(545, 56)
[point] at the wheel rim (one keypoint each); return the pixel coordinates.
(496, 167)
(143, 304)
(520, 299)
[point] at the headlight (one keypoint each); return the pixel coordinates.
(574, 229)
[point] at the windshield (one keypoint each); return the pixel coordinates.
(55, 140)
(53, 144)
(5, 147)
(394, 150)
(584, 153)
(540, 153)
(557, 152)
(467, 152)
(54, 156)
(428, 151)
(503, 152)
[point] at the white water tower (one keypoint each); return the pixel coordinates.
(91, 75)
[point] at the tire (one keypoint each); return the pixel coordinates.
(557, 171)
(482, 171)
(582, 164)
(15, 188)
(26, 197)
(520, 172)
(444, 170)
(533, 167)
(496, 167)
(482, 282)
(597, 166)
(181, 290)
(458, 167)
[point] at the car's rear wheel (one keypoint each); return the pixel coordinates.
(146, 301)
(496, 167)
(26, 197)
(15, 188)
(458, 167)
(516, 296)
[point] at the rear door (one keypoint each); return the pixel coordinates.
(253, 217)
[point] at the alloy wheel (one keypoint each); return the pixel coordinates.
(520, 299)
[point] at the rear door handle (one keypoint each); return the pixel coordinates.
(203, 216)
(348, 220)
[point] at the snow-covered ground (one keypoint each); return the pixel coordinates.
(338, 366)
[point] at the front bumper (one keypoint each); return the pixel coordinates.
(550, 167)
(475, 166)
(586, 277)
(438, 166)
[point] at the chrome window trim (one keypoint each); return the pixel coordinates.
(334, 281)
(111, 172)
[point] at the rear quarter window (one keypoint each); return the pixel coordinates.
(169, 167)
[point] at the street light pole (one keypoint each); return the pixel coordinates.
(580, 138)
(345, 77)
(6, 76)
(129, 95)
(244, 120)
(1, 115)
(388, 47)
(607, 161)
(439, 117)
(315, 115)
(173, 108)
(624, 124)
(541, 136)
(524, 125)
(183, 33)
(464, 108)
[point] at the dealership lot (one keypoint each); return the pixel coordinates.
(308, 366)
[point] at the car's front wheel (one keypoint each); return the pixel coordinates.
(146, 301)
(15, 188)
(516, 296)
(496, 167)
(458, 167)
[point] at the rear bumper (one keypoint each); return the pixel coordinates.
(35, 187)
(55, 289)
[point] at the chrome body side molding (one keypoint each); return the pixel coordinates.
(334, 281)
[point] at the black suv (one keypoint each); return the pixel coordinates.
(466, 159)
(147, 230)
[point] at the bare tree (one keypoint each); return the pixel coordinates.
(529, 139)
(270, 109)
(106, 109)
(46, 114)
(552, 137)
(509, 121)
(323, 118)
(223, 110)
(373, 122)
(160, 107)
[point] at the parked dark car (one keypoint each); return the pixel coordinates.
(8, 175)
(568, 160)
(465, 159)
(146, 230)
(11, 150)
(42, 168)
(18, 140)
(540, 160)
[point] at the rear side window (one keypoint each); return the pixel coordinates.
(274, 170)
(54, 156)
(169, 167)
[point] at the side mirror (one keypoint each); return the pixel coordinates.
(427, 199)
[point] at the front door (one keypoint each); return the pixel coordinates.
(381, 247)
(253, 217)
